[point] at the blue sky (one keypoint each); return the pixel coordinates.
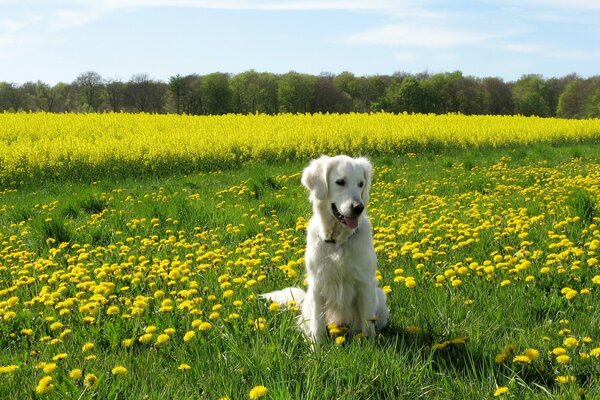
(55, 40)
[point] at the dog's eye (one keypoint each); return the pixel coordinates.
(361, 184)
(340, 182)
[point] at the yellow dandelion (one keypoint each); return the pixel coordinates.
(522, 359)
(500, 391)
(258, 391)
(189, 335)
(162, 338)
(570, 341)
(184, 367)
(119, 370)
(532, 354)
(44, 385)
(49, 368)
(204, 326)
(91, 381)
(563, 359)
(87, 346)
(145, 338)
(340, 340)
(565, 378)
(75, 374)
(7, 369)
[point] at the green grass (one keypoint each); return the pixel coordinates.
(248, 223)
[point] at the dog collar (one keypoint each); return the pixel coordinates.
(333, 241)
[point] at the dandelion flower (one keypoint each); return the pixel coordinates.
(565, 378)
(162, 338)
(49, 368)
(258, 391)
(75, 373)
(44, 385)
(570, 341)
(184, 367)
(563, 359)
(87, 347)
(8, 369)
(204, 326)
(119, 370)
(91, 381)
(522, 359)
(500, 391)
(532, 354)
(189, 336)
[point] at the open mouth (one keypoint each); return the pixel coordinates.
(350, 222)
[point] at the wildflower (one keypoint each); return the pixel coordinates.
(49, 368)
(162, 338)
(91, 381)
(184, 367)
(340, 340)
(258, 391)
(532, 354)
(119, 370)
(565, 378)
(145, 338)
(126, 342)
(44, 385)
(60, 356)
(56, 326)
(500, 391)
(557, 351)
(170, 331)
(204, 326)
(112, 310)
(8, 369)
(563, 359)
(189, 335)
(87, 346)
(75, 373)
(522, 359)
(274, 307)
(570, 341)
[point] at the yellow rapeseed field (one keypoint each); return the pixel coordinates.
(44, 146)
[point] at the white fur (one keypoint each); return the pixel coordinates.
(340, 260)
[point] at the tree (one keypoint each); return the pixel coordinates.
(91, 89)
(295, 92)
(216, 94)
(497, 97)
(327, 98)
(407, 96)
(14, 96)
(178, 90)
(145, 95)
(529, 96)
(254, 92)
(115, 94)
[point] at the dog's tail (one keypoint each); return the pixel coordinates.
(284, 296)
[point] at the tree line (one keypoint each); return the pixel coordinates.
(261, 92)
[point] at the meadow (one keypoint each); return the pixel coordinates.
(143, 284)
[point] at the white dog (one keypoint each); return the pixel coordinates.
(340, 259)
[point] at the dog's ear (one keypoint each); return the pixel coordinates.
(314, 177)
(367, 171)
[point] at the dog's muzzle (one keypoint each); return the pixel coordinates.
(350, 221)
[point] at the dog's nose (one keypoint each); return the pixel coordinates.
(357, 208)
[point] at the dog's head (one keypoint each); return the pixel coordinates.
(342, 184)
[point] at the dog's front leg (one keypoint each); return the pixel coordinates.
(315, 326)
(366, 307)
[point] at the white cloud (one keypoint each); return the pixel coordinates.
(422, 35)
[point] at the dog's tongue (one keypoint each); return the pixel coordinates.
(351, 222)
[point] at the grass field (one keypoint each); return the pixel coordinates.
(146, 289)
